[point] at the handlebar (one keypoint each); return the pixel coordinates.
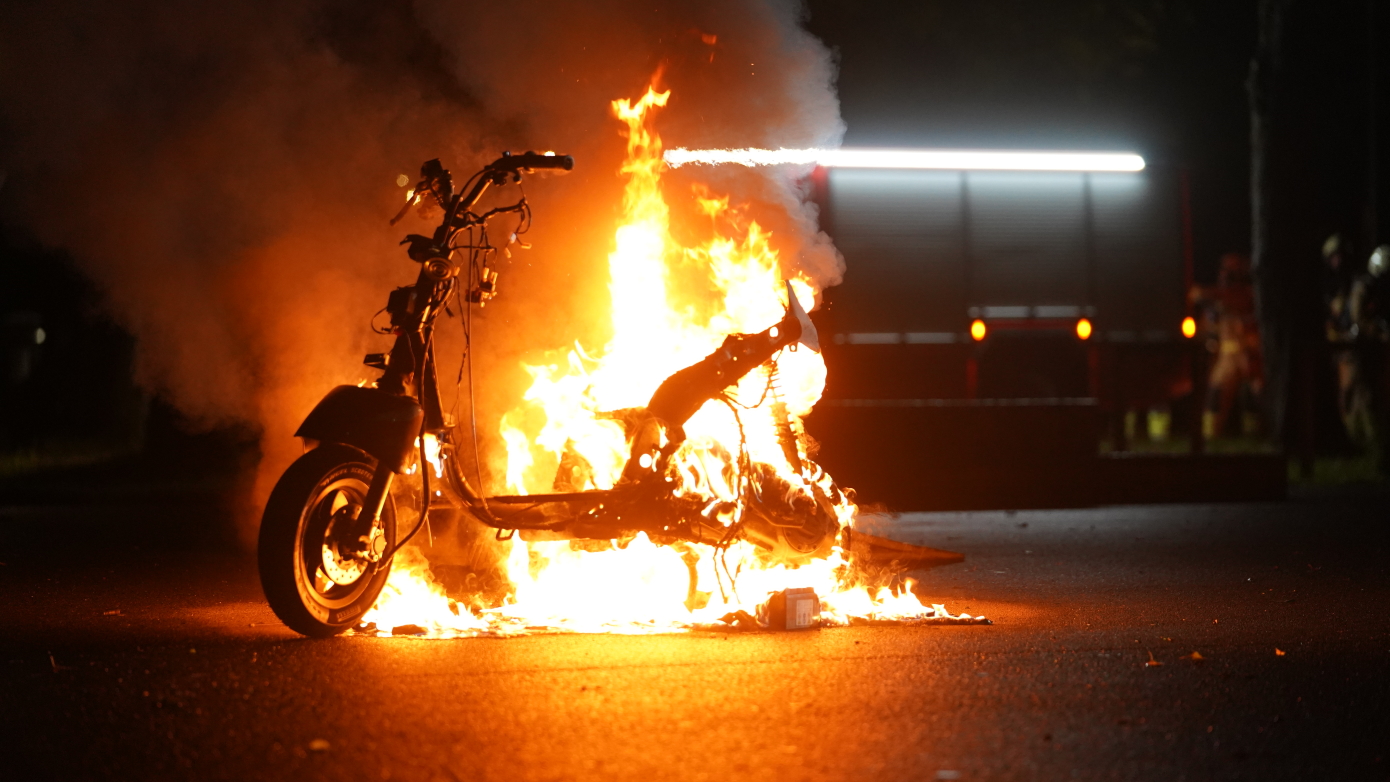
(436, 181)
(532, 161)
(498, 171)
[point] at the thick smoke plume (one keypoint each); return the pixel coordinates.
(224, 171)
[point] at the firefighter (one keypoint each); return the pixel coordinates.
(1367, 302)
(1349, 297)
(1236, 378)
(1366, 313)
(1336, 289)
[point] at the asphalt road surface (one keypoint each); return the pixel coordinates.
(1087, 673)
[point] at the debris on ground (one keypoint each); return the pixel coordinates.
(741, 620)
(791, 609)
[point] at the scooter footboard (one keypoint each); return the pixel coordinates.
(543, 511)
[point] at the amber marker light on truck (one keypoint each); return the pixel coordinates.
(1189, 327)
(1083, 328)
(977, 330)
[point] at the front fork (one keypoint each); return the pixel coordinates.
(370, 515)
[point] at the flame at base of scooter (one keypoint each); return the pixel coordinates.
(640, 589)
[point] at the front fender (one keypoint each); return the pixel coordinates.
(384, 425)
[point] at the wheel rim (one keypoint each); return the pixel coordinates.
(332, 579)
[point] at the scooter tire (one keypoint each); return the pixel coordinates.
(292, 538)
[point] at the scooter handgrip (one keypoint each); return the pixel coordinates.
(534, 161)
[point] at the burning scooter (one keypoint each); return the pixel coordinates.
(329, 531)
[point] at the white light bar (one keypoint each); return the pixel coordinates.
(944, 159)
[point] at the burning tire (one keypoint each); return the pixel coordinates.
(318, 576)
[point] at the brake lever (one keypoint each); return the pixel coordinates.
(409, 202)
(434, 180)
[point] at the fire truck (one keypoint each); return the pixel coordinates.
(1003, 315)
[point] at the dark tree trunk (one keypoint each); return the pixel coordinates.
(1373, 140)
(1271, 264)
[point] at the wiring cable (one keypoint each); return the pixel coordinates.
(424, 507)
(424, 478)
(745, 484)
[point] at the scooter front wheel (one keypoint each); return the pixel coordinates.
(318, 576)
